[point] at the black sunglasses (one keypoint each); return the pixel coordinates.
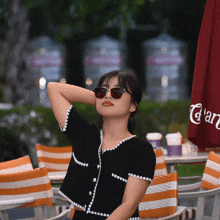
(116, 93)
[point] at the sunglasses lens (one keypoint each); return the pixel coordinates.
(100, 92)
(116, 93)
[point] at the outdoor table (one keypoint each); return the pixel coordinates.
(173, 161)
(57, 177)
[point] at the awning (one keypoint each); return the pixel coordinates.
(204, 117)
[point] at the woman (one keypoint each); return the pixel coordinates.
(110, 168)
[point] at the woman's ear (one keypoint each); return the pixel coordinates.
(133, 107)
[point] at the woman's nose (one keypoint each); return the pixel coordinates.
(108, 93)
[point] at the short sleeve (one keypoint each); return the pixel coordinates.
(143, 162)
(77, 128)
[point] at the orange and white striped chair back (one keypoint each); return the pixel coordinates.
(33, 183)
(161, 198)
(17, 165)
(160, 168)
(53, 158)
(211, 174)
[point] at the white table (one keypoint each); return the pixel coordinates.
(173, 161)
(201, 157)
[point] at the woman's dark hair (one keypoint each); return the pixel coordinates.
(128, 80)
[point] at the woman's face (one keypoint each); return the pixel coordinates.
(110, 107)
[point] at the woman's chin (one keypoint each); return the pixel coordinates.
(106, 115)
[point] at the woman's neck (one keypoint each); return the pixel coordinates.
(115, 128)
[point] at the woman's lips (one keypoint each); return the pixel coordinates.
(106, 103)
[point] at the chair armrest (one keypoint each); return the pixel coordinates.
(55, 189)
(60, 201)
(199, 193)
(62, 216)
(192, 178)
(178, 212)
(188, 187)
(13, 203)
(17, 201)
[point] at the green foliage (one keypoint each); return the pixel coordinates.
(38, 124)
(1, 92)
(63, 18)
(36, 3)
(190, 170)
(169, 117)
(4, 16)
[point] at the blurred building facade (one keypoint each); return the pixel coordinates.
(166, 71)
(102, 55)
(45, 62)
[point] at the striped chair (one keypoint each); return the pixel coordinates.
(27, 189)
(17, 165)
(208, 186)
(211, 172)
(55, 159)
(161, 199)
(160, 168)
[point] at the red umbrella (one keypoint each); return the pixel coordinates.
(204, 120)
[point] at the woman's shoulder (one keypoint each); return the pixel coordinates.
(141, 143)
(142, 152)
(141, 146)
(78, 128)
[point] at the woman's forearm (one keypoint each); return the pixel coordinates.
(123, 212)
(62, 95)
(71, 93)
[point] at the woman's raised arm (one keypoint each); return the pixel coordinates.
(62, 95)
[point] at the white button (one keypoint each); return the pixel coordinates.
(94, 179)
(98, 166)
(85, 206)
(90, 193)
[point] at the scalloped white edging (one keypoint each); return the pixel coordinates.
(98, 213)
(78, 162)
(118, 177)
(140, 177)
(67, 117)
(100, 164)
(74, 203)
(126, 139)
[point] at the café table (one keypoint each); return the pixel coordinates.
(57, 177)
(173, 161)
